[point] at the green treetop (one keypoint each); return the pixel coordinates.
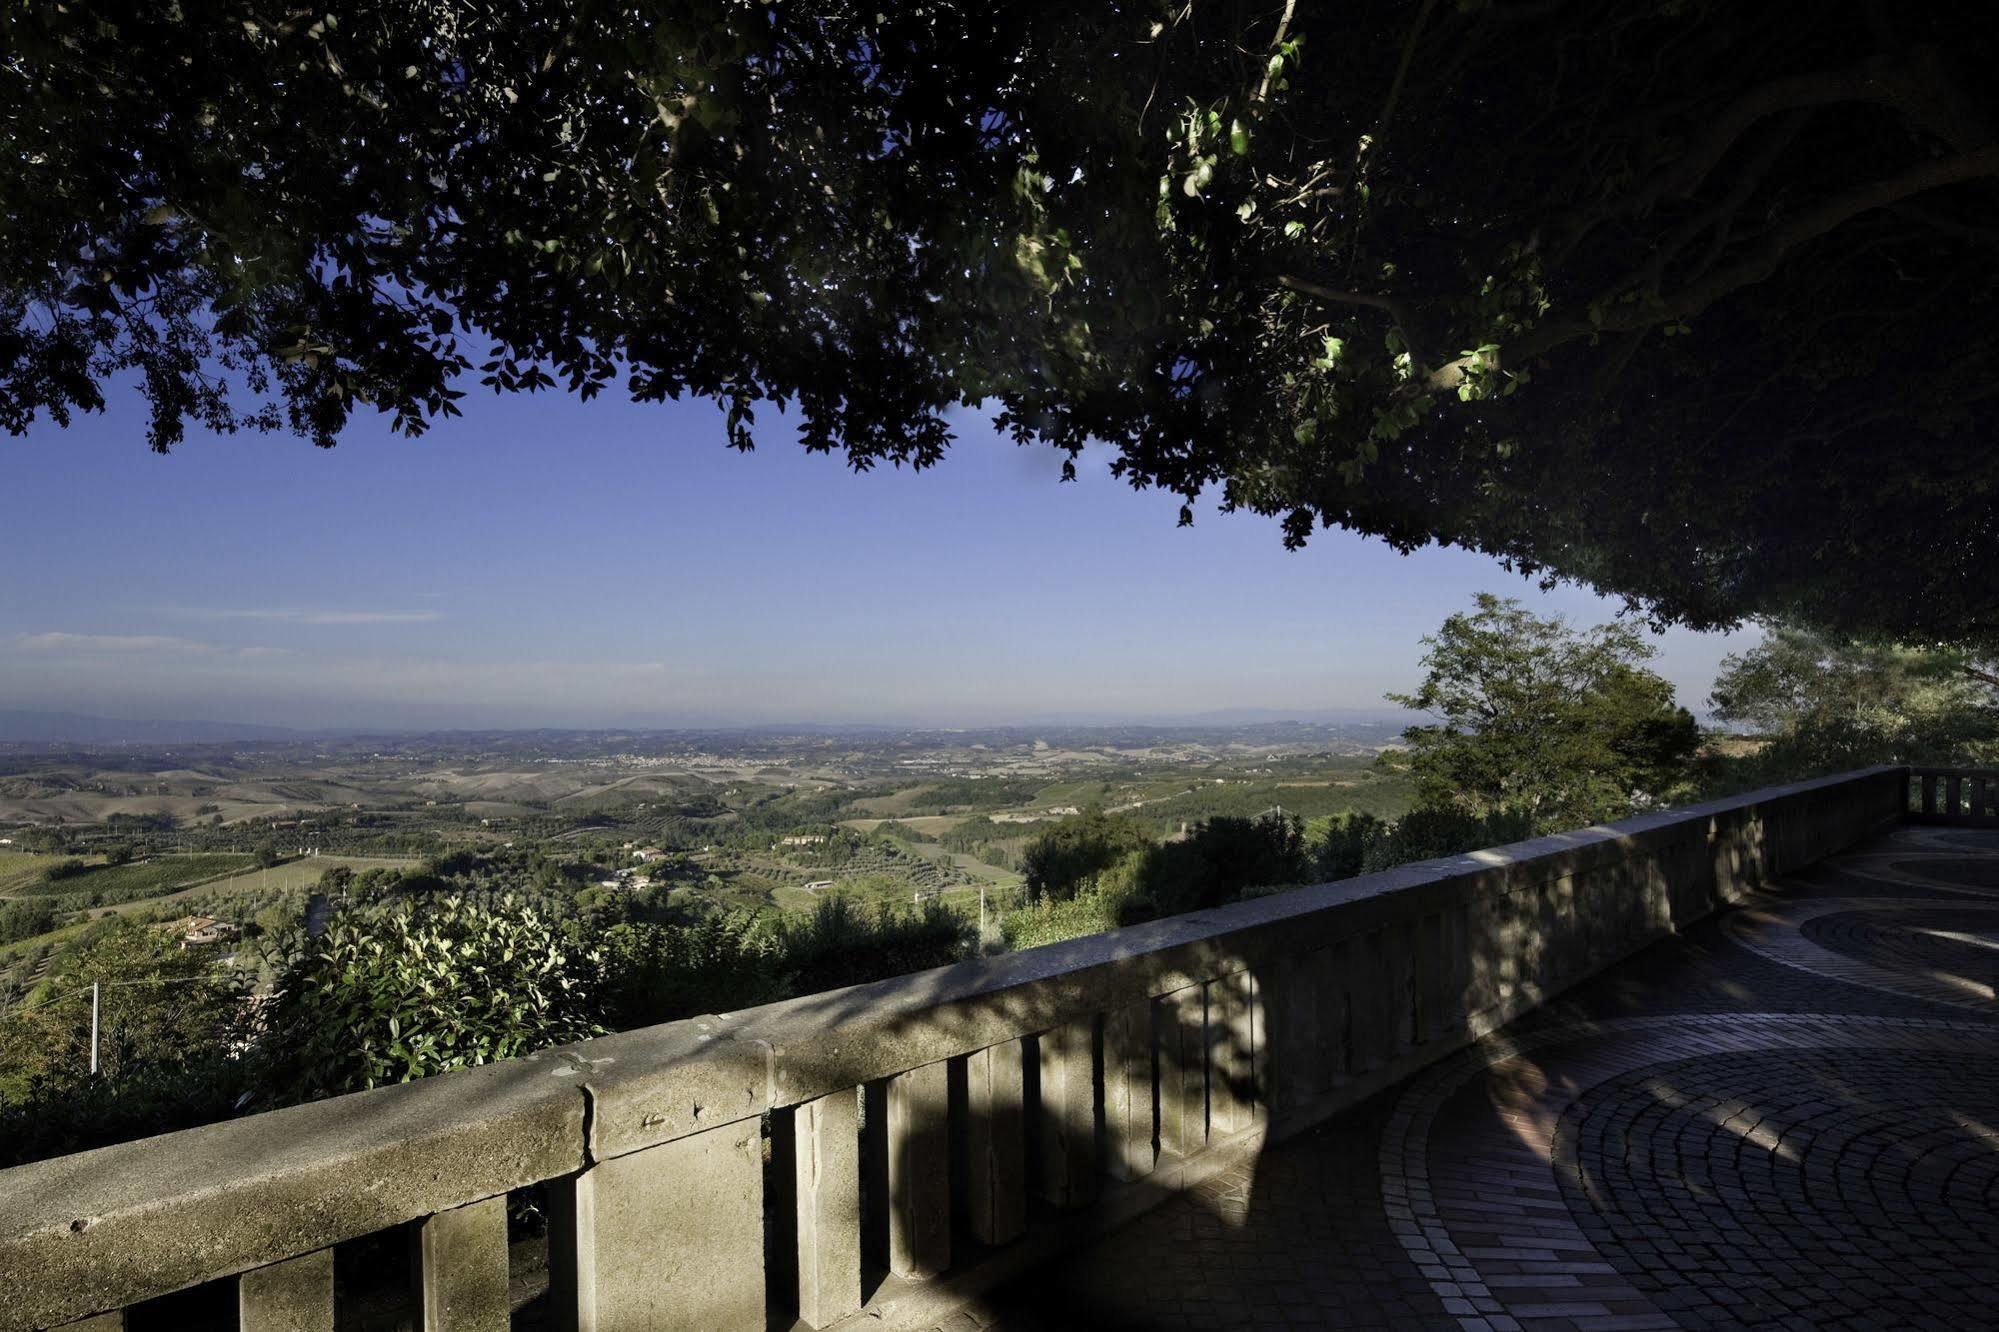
(1564, 726)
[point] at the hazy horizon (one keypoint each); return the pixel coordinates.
(543, 562)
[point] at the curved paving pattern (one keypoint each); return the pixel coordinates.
(1491, 1183)
(1787, 1118)
(1841, 1191)
(1892, 945)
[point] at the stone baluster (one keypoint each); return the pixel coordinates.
(826, 1157)
(461, 1268)
(668, 1238)
(295, 1295)
(919, 1172)
(995, 1204)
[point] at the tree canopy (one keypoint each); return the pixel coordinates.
(1564, 727)
(1821, 704)
(1686, 299)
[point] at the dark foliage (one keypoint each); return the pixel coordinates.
(1059, 859)
(1689, 299)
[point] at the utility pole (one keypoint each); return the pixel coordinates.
(93, 1028)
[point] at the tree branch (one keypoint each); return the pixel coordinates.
(1878, 79)
(1752, 268)
(1402, 68)
(1398, 311)
(1276, 44)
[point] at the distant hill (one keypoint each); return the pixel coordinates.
(18, 726)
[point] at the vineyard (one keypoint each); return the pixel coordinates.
(110, 885)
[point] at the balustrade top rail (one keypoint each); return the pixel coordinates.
(1091, 1076)
(1955, 795)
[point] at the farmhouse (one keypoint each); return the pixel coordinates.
(202, 930)
(648, 853)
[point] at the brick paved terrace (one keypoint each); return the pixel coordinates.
(1786, 1116)
(1730, 1066)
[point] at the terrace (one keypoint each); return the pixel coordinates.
(1723, 1066)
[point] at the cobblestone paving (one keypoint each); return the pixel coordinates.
(1786, 1118)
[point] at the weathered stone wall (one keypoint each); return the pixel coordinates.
(1015, 1102)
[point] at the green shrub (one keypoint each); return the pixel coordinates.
(648, 972)
(1343, 853)
(24, 918)
(1425, 833)
(1221, 858)
(398, 990)
(842, 944)
(1103, 902)
(1060, 859)
(168, 1022)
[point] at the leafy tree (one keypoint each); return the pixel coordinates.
(651, 972)
(24, 918)
(1218, 860)
(1061, 857)
(842, 944)
(1343, 850)
(1566, 727)
(1821, 704)
(1663, 317)
(399, 990)
(118, 853)
(162, 1010)
(268, 855)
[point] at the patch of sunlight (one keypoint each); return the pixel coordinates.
(1964, 983)
(1761, 1133)
(1960, 936)
(1985, 1133)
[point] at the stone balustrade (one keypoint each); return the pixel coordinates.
(895, 1145)
(1965, 796)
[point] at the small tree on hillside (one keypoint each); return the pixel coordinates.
(1567, 727)
(1060, 858)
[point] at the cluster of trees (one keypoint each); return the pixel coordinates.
(25, 917)
(1538, 726)
(1817, 703)
(996, 844)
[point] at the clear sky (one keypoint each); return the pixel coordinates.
(544, 562)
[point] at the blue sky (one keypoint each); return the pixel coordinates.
(547, 562)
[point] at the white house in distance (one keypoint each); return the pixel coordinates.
(646, 854)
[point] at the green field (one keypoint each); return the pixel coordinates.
(21, 868)
(292, 874)
(106, 885)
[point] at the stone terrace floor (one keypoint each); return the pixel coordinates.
(1786, 1118)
